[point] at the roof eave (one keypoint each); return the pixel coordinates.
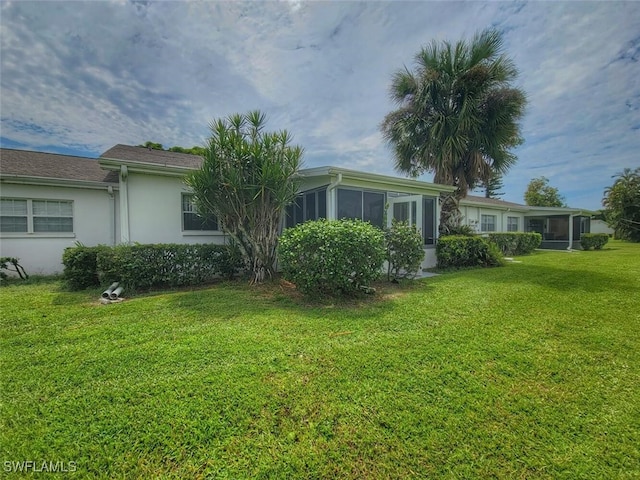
(57, 182)
(494, 206)
(114, 164)
(374, 178)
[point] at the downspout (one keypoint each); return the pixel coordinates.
(112, 215)
(124, 205)
(332, 203)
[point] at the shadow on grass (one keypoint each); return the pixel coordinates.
(236, 298)
(560, 278)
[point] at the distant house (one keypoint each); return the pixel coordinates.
(134, 194)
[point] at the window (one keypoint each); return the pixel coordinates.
(307, 206)
(13, 215)
(512, 224)
(36, 216)
(192, 221)
(366, 206)
(488, 223)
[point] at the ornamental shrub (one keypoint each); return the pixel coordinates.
(516, 243)
(457, 251)
(595, 240)
(139, 267)
(145, 266)
(336, 257)
(80, 266)
(404, 250)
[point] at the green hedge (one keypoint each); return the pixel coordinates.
(457, 251)
(80, 266)
(516, 243)
(593, 240)
(331, 256)
(145, 266)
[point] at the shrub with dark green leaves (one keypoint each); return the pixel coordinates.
(458, 251)
(405, 250)
(139, 267)
(335, 257)
(516, 243)
(466, 230)
(593, 240)
(80, 266)
(146, 266)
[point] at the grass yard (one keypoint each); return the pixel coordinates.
(526, 371)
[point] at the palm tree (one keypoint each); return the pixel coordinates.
(457, 116)
(622, 205)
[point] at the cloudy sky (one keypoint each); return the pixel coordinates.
(79, 77)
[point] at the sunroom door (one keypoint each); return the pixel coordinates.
(406, 209)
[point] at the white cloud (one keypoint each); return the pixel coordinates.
(87, 75)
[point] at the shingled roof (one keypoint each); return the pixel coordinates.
(25, 163)
(492, 202)
(152, 157)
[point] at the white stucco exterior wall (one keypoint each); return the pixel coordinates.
(41, 253)
(155, 211)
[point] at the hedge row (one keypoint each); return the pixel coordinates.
(516, 243)
(593, 240)
(145, 266)
(457, 251)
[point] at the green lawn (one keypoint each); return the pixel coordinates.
(527, 371)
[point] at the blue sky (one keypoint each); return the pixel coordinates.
(79, 77)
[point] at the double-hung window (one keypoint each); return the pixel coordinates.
(192, 220)
(488, 223)
(23, 215)
(512, 224)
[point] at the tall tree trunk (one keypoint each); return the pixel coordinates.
(450, 216)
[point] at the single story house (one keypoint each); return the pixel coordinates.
(135, 194)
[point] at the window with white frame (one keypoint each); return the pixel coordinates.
(192, 220)
(488, 223)
(512, 224)
(25, 215)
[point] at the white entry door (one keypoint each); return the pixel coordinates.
(406, 209)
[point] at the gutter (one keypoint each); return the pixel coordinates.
(56, 182)
(144, 167)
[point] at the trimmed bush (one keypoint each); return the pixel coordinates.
(405, 250)
(457, 251)
(335, 257)
(465, 230)
(80, 266)
(146, 266)
(593, 240)
(139, 267)
(516, 243)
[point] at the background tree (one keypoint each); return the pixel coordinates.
(247, 178)
(493, 186)
(540, 194)
(195, 150)
(622, 205)
(457, 116)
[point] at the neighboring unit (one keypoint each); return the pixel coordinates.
(135, 194)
